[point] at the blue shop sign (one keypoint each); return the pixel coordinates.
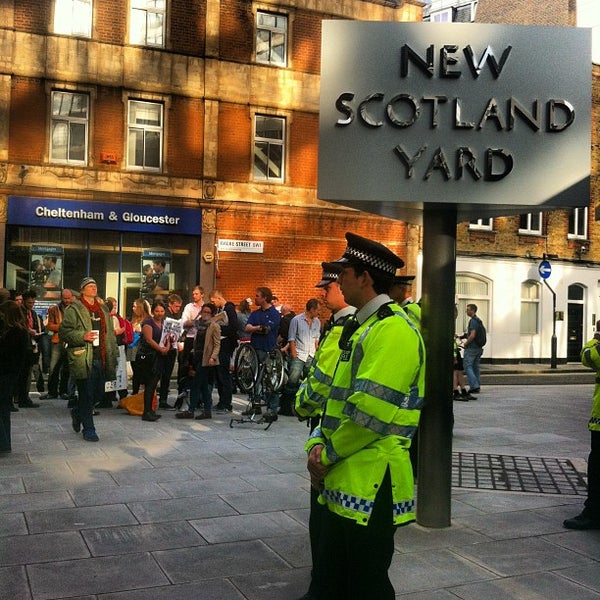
(51, 212)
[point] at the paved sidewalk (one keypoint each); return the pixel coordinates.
(179, 509)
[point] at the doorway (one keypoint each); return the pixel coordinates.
(575, 308)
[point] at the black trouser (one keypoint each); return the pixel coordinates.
(183, 370)
(353, 560)
(223, 374)
(165, 378)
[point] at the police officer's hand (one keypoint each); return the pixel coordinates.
(316, 469)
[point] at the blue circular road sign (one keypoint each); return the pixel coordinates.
(544, 269)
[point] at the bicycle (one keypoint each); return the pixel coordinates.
(258, 380)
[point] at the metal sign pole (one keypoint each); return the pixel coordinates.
(435, 432)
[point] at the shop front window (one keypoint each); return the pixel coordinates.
(115, 259)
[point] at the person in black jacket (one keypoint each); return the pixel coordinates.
(226, 318)
(14, 355)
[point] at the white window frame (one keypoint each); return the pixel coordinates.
(147, 10)
(473, 289)
(575, 216)
(271, 143)
(145, 129)
(442, 16)
(530, 302)
(73, 17)
(482, 224)
(70, 122)
(528, 229)
(271, 30)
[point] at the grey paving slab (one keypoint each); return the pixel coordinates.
(414, 538)
(118, 494)
(521, 556)
(428, 595)
(14, 584)
(206, 487)
(45, 547)
(293, 548)
(216, 589)
(11, 485)
(226, 469)
(289, 481)
(94, 576)
(141, 538)
(526, 587)
(274, 585)
(514, 524)
(155, 511)
(153, 475)
(65, 480)
(433, 569)
(247, 527)
(79, 518)
(583, 542)
(12, 524)
(267, 501)
(587, 575)
(218, 560)
(37, 501)
(491, 501)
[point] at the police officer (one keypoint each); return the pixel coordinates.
(314, 390)
(358, 458)
(590, 516)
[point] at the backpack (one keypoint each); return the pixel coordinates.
(481, 334)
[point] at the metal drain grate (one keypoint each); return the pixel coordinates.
(516, 474)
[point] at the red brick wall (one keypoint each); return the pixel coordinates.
(33, 17)
(306, 44)
(110, 21)
(304, 138)
(185, 137)
(234, 143)
(28, 111)
(296, 241)
(108, 119)
(187, 19)
(236, 37)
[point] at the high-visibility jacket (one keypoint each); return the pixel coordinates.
(590, 357)
(314, 390)
(413, 310)
(371, 416)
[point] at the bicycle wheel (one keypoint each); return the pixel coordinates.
(274, 371)
(246, 367)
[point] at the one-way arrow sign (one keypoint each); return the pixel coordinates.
(544, 269)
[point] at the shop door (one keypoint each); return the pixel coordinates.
(574, 323)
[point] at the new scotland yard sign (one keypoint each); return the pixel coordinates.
(491, 118)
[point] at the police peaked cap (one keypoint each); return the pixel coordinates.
(403, 280)
(372, 255)
(330, 273)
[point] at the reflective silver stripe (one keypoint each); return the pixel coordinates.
(322, 377)
(332, 455)
(329, 422)
(364, 506)
(312, 398)
(317, 433)
(376, 425)
(340, 393)
(387, 394)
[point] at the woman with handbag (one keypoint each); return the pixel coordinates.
(151, 357)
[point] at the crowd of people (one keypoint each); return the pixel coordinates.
(357, 376)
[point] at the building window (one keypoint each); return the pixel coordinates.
(481, 224)
(578, 220)
(444, 16)
(269, 144)
(144, 135)
(73, 17)
(271, 38)
(531, 223)
(69, 127)
(472, 290)
(530, 307)
(148, 19)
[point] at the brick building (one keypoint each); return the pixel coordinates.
(186, 131)
(134, 131)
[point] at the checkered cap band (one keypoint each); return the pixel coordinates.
(372, 260)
